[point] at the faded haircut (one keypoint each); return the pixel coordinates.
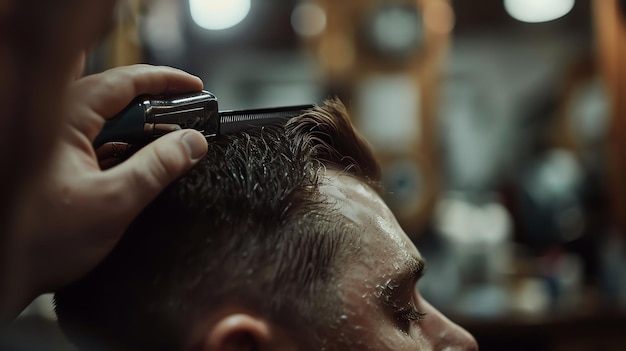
(246, 226)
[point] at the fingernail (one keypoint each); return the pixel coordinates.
(196, 145)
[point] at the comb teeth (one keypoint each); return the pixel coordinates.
(257, 116)
(237, 121)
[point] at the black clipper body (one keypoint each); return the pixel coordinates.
(148, 118)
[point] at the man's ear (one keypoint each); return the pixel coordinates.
(238, 332)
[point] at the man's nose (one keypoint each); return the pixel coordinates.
(446, 335)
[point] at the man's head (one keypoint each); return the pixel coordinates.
(277, 241)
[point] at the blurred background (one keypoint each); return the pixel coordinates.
(500, 125)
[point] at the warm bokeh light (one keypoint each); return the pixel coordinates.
(337, 53)
(308, 19)
(439, 17)
(218, 14)
(535, 11)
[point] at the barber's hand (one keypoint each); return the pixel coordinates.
(75, 213)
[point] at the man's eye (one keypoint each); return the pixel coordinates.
(410, 313)
(407, 315)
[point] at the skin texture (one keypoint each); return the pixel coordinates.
(73, 213)
(378, 278)
(380, 275)
(41, 43)
(59, 215)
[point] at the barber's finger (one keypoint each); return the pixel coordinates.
(113, 153)
(144, 175)
(113, 149)
(108, 163)
(107, 93)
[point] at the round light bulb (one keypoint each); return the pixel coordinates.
(535, 11)
(218, 14)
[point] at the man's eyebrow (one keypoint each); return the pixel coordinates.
(407, 273)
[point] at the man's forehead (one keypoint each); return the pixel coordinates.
(362, 205)
(386, 258)
(353, 197)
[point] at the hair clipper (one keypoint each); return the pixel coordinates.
(148, 117)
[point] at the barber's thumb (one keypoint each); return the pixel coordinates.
(156, 165)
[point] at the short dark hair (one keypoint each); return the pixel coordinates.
(246, 225)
